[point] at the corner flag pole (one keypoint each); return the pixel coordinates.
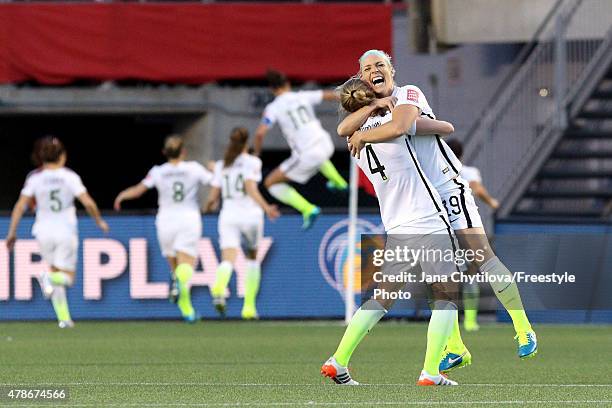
(349, 295)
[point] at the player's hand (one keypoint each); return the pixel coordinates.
(355, 143)
(103, 225)
(384, 104)
(494, 204)
(10, 241)
(272, 212)
(117, 204)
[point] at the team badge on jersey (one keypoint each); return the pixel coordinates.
(412, 95)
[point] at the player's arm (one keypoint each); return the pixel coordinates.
(329, 95)
(20, 207)
(212, 202)
(481, 192)
(426, 126)
(351, 123)
(260, 134)
(130, 193)
(92, 209)
(403, 118)
(251, 189)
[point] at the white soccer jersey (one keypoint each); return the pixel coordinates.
(294, 113)
(237, 204)
(54, 190)
(406, 198)
(470, 174)
(177, 185)
(437, 159)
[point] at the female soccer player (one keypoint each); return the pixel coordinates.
(413, 215)
(440, 166)
(54, 187)
(178, 220)
(311, 145)
(235, 178)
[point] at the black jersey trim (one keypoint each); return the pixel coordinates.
(463, 205)
(445, 154)
(423, 179)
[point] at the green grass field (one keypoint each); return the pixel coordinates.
(227, 364)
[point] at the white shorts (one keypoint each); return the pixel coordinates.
(301, 166)
(179, 233)
(59, 249)
(460, 205)
(232, 232)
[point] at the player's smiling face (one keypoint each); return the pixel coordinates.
(377, 73)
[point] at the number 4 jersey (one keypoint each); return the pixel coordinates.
(177, 185)
(237, 204)
(408, 201)
(54, 191)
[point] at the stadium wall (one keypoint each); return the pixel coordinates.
(123, 275)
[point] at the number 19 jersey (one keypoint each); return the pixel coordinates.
(177, 185)
(406, 198)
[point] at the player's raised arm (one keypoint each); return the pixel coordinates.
(16, 214)
(252, 190)
(212, 202)
(352, 122)
(260, 134)
(92, 209)
(426, 126)
(130, 193)
(481, 192)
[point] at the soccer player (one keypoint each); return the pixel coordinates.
(235, 178)
(311, 145)
(441, 166)
(54, 187)
(178, 220)
(471, 291)
(410, 207)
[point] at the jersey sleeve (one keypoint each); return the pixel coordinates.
(269, 116)
(75, 184)
(28, 187)
(411, 95)
(149, 180)
(217, 177)
(253, 172)
(313, 97)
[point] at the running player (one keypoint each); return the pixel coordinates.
(235, 178)
(441, 167)
(178, 220)
(311, 145)
(471, 291)
(54, 187)
(409, 207)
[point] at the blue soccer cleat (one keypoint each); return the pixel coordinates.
(192, 318)
(310, 217)
(527, 344)
(451, 361)
(334, 188)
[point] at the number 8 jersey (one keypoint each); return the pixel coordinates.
(177, 186)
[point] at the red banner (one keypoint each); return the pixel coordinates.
(186, 43)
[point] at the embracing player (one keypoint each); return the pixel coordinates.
(178, 220)
(54, 187)
(311, 145)
(235, 180)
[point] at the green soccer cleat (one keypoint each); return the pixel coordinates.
(249, 313)
(452, 361)
(334, 188)
(310, 217)
(219, 304)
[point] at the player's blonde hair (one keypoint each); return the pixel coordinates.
(173, 147)
(238, 140)
(355, 94)
(378, 53)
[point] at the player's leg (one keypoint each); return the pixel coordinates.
(276, 183)
(252, 234)
(223, 274)
(334, 180)
(63, 267)
(471, 296)
(507, 293)
(183, 273)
